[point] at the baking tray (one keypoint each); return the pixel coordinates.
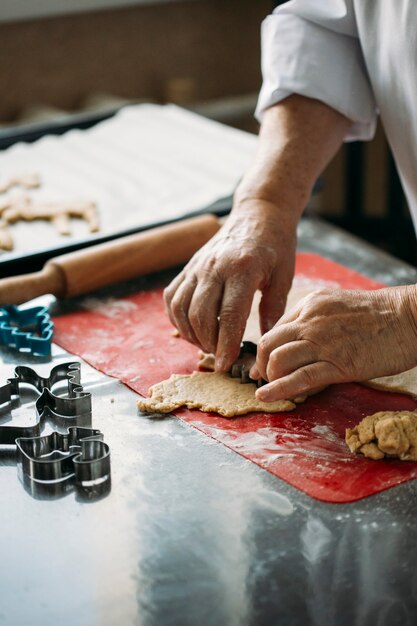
(22, 262)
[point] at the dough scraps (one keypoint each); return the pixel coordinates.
(208, 391)
(385, 434)
(6, 241)
(27, 181)
(23, 208)
(406, 382)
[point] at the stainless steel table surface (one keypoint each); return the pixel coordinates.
(193, 534)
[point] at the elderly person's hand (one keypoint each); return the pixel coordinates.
(335, 336)
(210, 300)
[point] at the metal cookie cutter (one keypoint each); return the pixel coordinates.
(241, 367)
(57, 458)
(64, 411)
(27, 329)
(79, 456)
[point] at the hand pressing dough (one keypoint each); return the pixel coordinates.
(214, 392)
(385, 434)
(405, 382)
(208, 391)
(252, 330)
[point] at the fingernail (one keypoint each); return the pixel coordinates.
(221, 365)
(263, 393)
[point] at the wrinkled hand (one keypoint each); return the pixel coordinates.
(334, 336)
(210, 300)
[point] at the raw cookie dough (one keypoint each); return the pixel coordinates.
(214, 392)
(6, 241)
(206, 361)
(385, 434)
(406, 382)
(208, 391)
(23, 208)
(27, 181)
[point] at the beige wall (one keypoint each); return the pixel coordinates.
(141, 52)
(131, 52)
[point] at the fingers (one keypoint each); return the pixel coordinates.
(235, 309)
(203, 314)
(254, 373)
(278, 336)
(286, 359)
(301, 381)
(290, 357)
(178, 305)
(272, 305)
(169, 293)
(288, 333)
(209, 317)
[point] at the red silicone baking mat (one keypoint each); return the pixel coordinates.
(131, 339)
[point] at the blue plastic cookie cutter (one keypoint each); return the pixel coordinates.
(28, 329)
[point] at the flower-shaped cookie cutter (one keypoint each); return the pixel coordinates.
(28, 329)
(78, 456)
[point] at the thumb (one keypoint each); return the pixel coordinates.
(272, 305)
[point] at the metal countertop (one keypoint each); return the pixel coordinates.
(194, 534)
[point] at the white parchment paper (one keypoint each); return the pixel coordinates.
(146, 164)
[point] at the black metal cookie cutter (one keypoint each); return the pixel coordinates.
(57, 460)
(242, 366)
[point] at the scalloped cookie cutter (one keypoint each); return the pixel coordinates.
(79, 456)
(57, 460)
(242, 366)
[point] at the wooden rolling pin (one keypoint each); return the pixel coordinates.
(108, 263)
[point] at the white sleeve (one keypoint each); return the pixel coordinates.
(311, 48)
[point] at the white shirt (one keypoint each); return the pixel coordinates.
(357, 56)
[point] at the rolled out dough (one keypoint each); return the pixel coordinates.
(215, 392)
(385, 434)
(405, 382)
(208, 391)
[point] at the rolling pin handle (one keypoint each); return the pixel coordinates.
(18, 290)
(104, 264)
